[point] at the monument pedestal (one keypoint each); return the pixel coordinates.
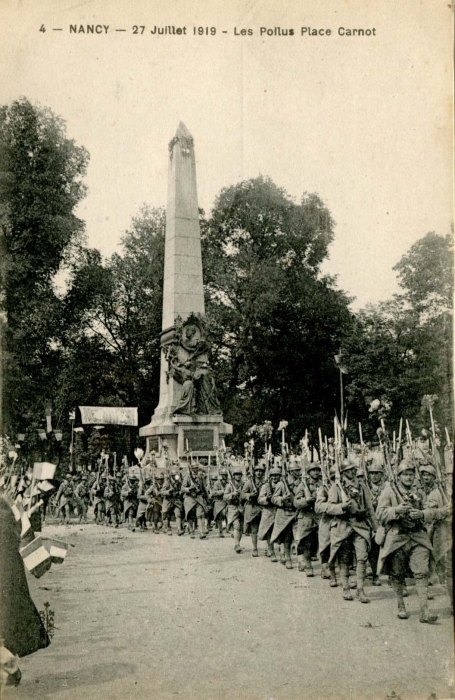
(200, 435)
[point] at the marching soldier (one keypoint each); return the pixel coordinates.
(96, 493)
(82, 498)
(283, 499)
(128, 496)
(375, 484)
(441, 507)
(353, 522)
(252, 512)
(219, 504)
(111, 501)
(400, 510)
(155, 502)
(144, 486)
(172, 501)
(427, 479)
(65, 498)
(232, 497)
(320, 507)
(268, 511)
(194, 501)
(306, 525)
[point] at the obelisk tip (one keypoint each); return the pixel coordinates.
(182, 132)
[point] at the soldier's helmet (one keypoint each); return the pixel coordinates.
(159, 476)
(332, 470)
(314, 466)
(224, 472)
(275, 471)
(259, 468)
(404, 465)
(375, 467)
(294, 467)
(427, 468)
(237, 470)
(347, 464)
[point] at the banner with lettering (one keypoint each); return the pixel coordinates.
(108, 415)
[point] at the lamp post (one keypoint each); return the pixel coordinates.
(72, 417)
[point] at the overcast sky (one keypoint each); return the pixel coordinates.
(363, 121)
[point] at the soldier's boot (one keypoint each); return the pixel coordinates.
(344, 576)
(287, 556)
(202, 533)
(237, 538)
(254, 540)
(422, 592)
(402, 612)
(282, 557)
(167, 526)
(271, 548)
(191, 529)
(305, 564)
(360, 572)
(219, 525)
(178, 522)
(333, 577)
(325, 571)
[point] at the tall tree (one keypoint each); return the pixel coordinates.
(40, 186)
(115, 309)
(401, 350)
(276, 321)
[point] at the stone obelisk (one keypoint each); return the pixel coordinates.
(184, 350)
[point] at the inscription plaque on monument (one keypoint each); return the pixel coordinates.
(199, 440)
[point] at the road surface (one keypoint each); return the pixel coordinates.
(142, 616)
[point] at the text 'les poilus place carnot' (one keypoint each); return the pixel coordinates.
(174, 30)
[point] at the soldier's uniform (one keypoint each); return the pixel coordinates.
(194, 501)
(306, 525)
(142, 505)
(97, 496)
(172, 501)
(351, 528)
(325, 520)
(285, 516)
(252, 513)
(375, 485)
(219, 504)
(82, 498)
(406, 544)
(112, 501)
(268, 511)
(65, 498)
(129, 498)
(155, 503)
(441, 507)
(235, 508)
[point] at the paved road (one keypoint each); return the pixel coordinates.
(149, 617)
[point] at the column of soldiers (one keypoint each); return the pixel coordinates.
(346, 517)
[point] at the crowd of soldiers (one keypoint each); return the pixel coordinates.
(394, 519)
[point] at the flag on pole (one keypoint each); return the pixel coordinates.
(56, 548)
(36, 558)
(48, 419)
(43, 471)
(45, 486)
